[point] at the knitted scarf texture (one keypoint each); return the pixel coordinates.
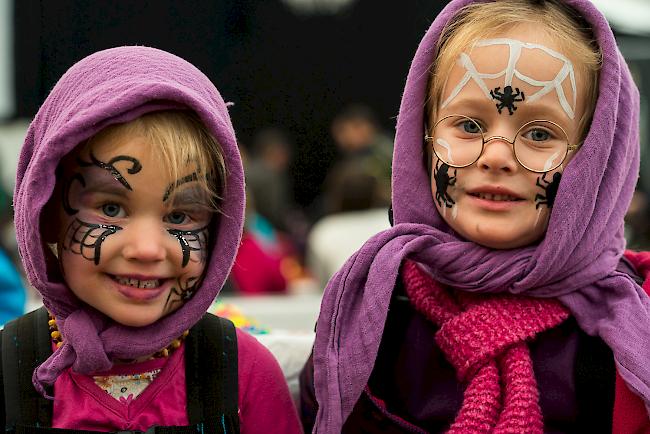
(575, 262)
(484, 338)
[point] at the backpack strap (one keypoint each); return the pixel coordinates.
(211, 375)
(211, 371)
(25, 345)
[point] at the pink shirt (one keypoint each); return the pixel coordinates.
(265, 405)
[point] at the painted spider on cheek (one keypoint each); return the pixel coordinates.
(550, 188)
(443, 181)
(181, 292)
(507, 98)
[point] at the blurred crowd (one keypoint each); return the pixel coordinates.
(288, 248)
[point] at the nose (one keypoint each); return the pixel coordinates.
(145, 242)
(498, 155)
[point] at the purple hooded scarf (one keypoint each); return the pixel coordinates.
(109, 87)
(575, 261)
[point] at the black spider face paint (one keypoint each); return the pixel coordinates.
(180, 293)
(178, 183)
(550, 189)
(86, 239)
(66, 193)
(110, 167)
(443, 181)
(507, 98)
(192, 241)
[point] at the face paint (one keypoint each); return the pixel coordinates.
(110, 167)
(447, 146)
(551, 161)
(537, 217)
(510, 71)
(82, 236)
(178, 183)
(122, 182)
(507, 98)
(192, 241)
(66, 193)
(180, 293)
(454, 212)
(550, 190)
(443, 182)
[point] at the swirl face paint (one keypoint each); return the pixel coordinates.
(110, 167)
(66, 192)
(174, 185)
(122, 249)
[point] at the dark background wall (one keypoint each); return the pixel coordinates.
(280, 68)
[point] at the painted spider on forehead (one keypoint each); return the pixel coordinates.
(507, 98)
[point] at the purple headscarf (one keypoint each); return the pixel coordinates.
(109, 87)
(575, 261)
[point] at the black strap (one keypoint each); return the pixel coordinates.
(210, 369)
(211, 374)
(25, 345)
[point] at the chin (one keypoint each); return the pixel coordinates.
(134, 319)
(495, 239)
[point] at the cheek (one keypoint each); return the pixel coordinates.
(444, 182)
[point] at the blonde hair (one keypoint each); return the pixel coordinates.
(483, 20)
(178, 138)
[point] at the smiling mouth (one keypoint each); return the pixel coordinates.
(135, 283)
(496, 197)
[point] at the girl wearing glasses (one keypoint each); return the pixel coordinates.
(500, 300)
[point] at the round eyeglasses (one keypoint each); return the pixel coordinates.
(539, 146)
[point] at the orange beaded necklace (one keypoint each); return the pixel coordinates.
(57, 339)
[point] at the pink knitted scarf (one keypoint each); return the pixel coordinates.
(484, 338)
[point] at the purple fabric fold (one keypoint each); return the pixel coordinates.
(575, 261)
(113, 86)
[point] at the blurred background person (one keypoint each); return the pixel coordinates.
(361, 144)
(267, 176)
(258, 265)
(357, 212)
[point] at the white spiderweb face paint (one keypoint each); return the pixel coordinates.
(551, 161)
(442, 142)
(515, 47)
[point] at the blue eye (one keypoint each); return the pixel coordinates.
(176, 217)
(539, 135)
(111, 209)
(471, 127)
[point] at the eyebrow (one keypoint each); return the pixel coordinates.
(193, 195)
(103, 182)
(113, 190)
(192, 177)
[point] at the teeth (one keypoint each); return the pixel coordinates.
(137, 283)
(496, 197)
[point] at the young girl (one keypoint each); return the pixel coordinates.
(500, 301)
(131, 174)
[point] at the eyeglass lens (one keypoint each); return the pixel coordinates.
(539, 146)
